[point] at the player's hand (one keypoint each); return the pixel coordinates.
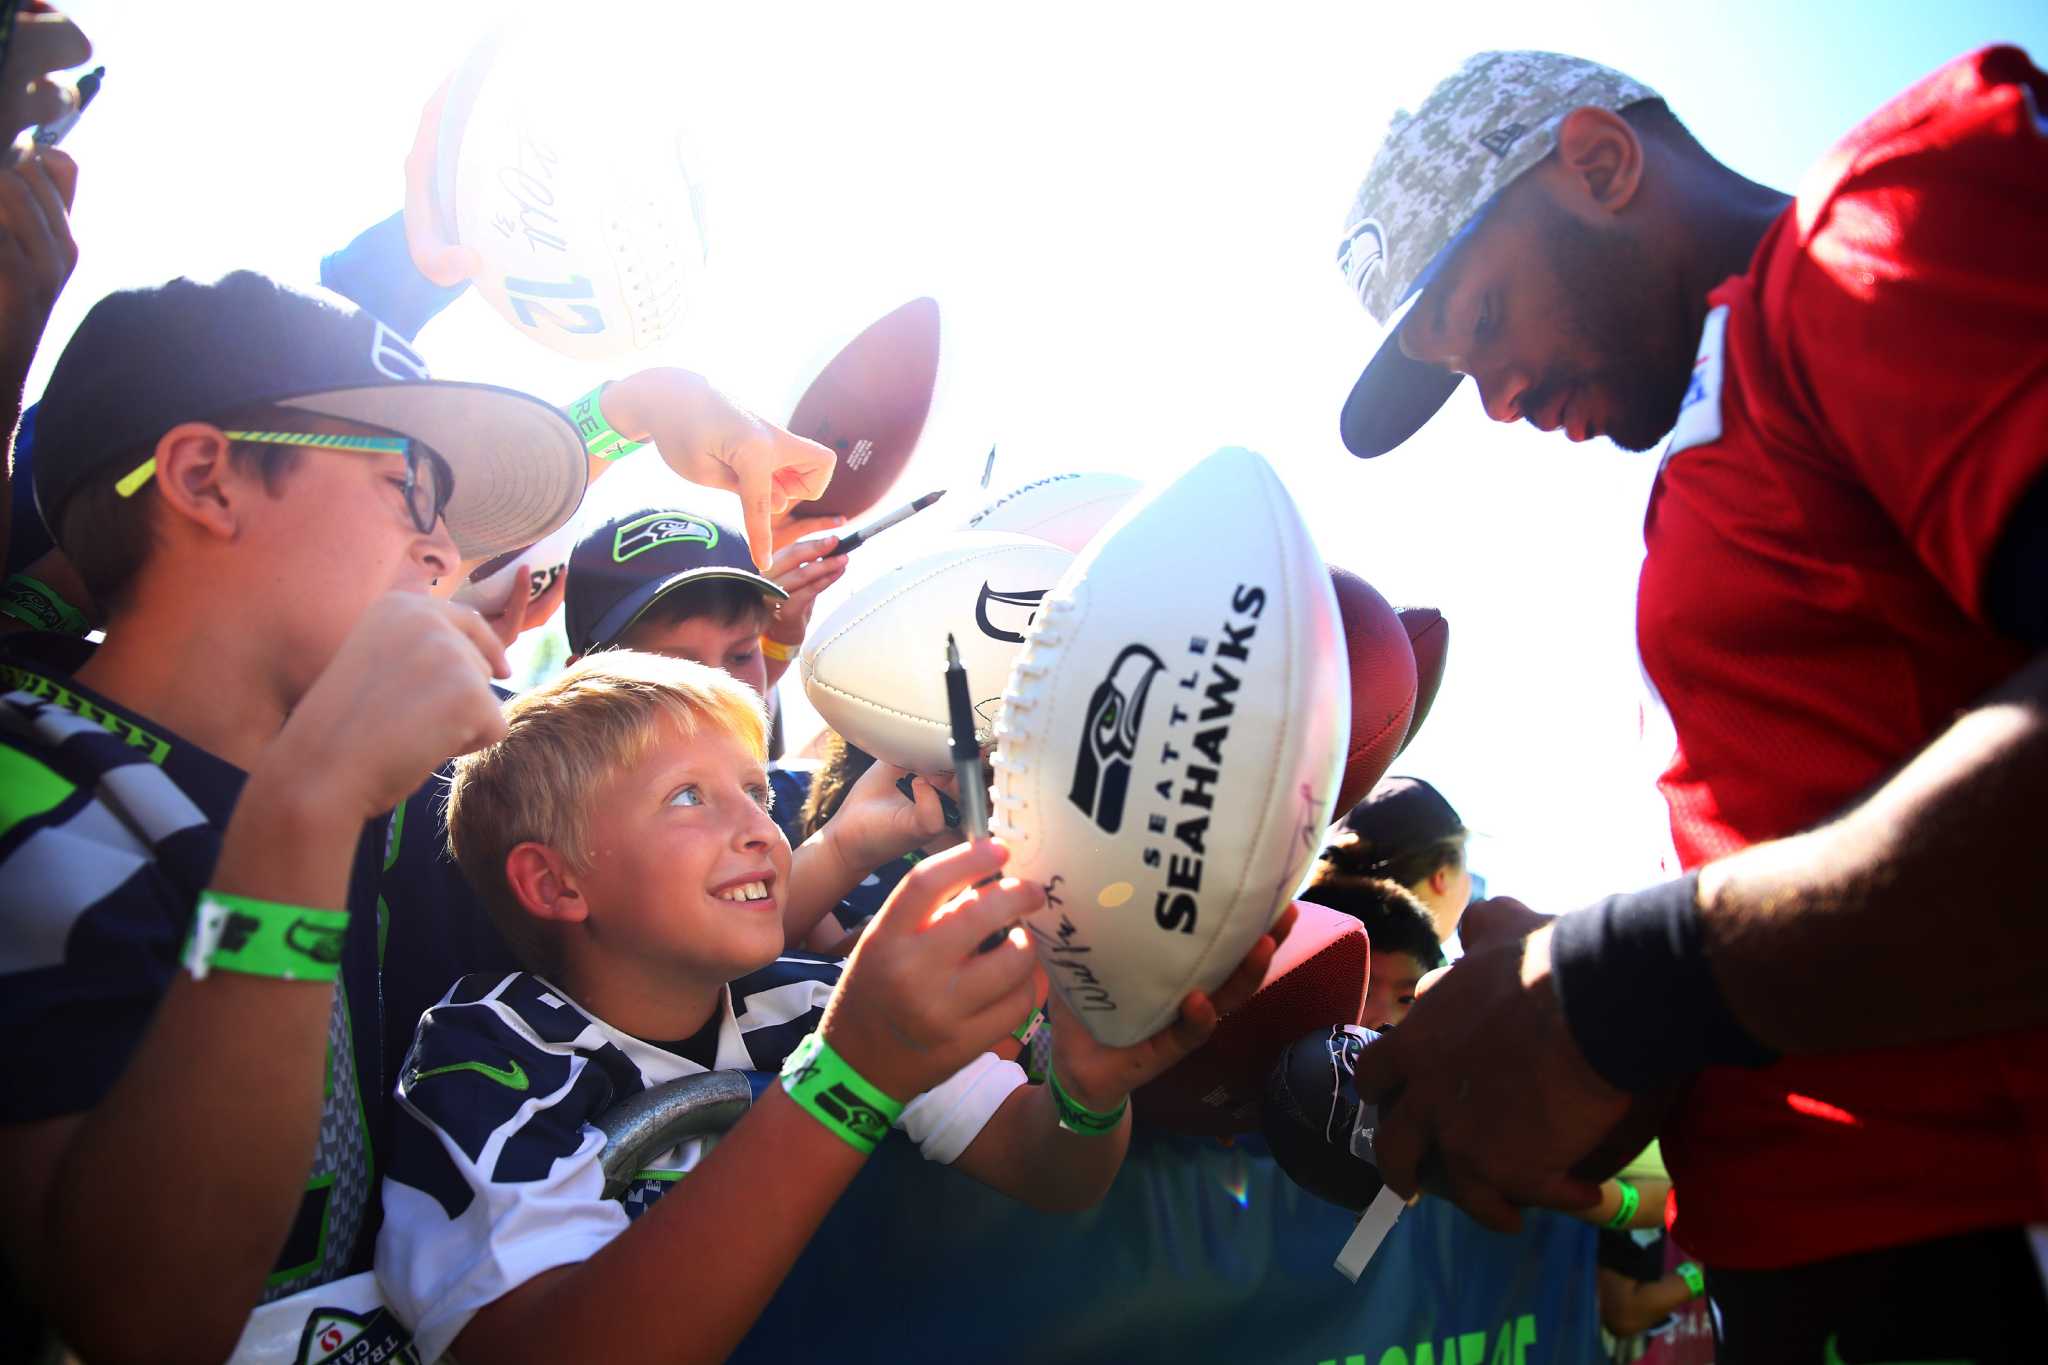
(711, 440)
(802, 570)
(442, 261)
(919, 1000)
(1493, 1102)
(1502, 919)
(37, 254)
(408, 690)
(874, 825)
(1100, 1076)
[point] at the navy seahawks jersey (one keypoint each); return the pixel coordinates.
(864, 902)
(495, 1176)
(110, 826)
(790, 787)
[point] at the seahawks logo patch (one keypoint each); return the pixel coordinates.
(639, 536)
(1102, 767)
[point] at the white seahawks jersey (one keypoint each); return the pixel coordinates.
(495, 1174)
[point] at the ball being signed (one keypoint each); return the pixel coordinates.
(1172, 734)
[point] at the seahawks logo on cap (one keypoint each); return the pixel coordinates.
(642, 534)
(1102, 768)
(1363, 252)
(1016, 610)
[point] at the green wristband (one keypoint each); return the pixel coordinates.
(37, 603)
(599, 439)
(1630, 1202)
(1695, 1279)
(1077, 1117)
(836, 1095)
(264, 938)
(1022, 1033)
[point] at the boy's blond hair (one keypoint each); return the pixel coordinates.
(562, 741)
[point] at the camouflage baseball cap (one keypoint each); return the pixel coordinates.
(1436, 174)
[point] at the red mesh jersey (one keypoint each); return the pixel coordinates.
(1870, 402)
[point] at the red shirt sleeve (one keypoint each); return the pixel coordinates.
(1913, 302)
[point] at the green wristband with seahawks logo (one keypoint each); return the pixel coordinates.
(264, 938)
(1631, 1200)
(1077, 1117)
(599, 438)
(37, 603)
(836, 1095)
(1695, 1279)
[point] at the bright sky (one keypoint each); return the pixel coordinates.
(1129, 216)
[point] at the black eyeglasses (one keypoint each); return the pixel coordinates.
(428, 484)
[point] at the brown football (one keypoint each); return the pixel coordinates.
(869, 404)
(1316, 979)
(1429, 637)
(1382, 685)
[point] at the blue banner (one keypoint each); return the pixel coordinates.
(1200, 1252)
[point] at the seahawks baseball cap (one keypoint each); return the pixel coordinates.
(625, 566)
(1437, 173)
(144, 360)
(1398, 816)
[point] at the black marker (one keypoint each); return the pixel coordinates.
(973, 792)
(966, 749)
(53, 132)
(908, 509)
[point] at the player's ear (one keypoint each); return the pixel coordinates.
(544, 883)
(197, 480)
(1602, 159)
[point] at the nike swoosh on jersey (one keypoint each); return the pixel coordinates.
(513, 1078)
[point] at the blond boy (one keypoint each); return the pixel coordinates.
(620, 836)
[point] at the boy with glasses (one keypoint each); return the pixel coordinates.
(257, 486)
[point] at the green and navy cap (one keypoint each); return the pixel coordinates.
(625, 566)
(1437, 173)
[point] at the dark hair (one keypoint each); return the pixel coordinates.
(108, 538)
(1352, 855)
(842, 767)
(1653, 119)
(1394, 920)
(726, 600)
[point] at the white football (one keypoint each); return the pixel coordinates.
(1066, 509)
(591, 238)
(876, 668)
(1172, 735)
(490, 585)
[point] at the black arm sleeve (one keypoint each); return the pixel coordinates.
(2016, 583)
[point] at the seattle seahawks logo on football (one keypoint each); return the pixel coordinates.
(1102, 767)
(660, 528)
(1006, 615)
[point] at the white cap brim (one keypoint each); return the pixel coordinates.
(520, 466)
